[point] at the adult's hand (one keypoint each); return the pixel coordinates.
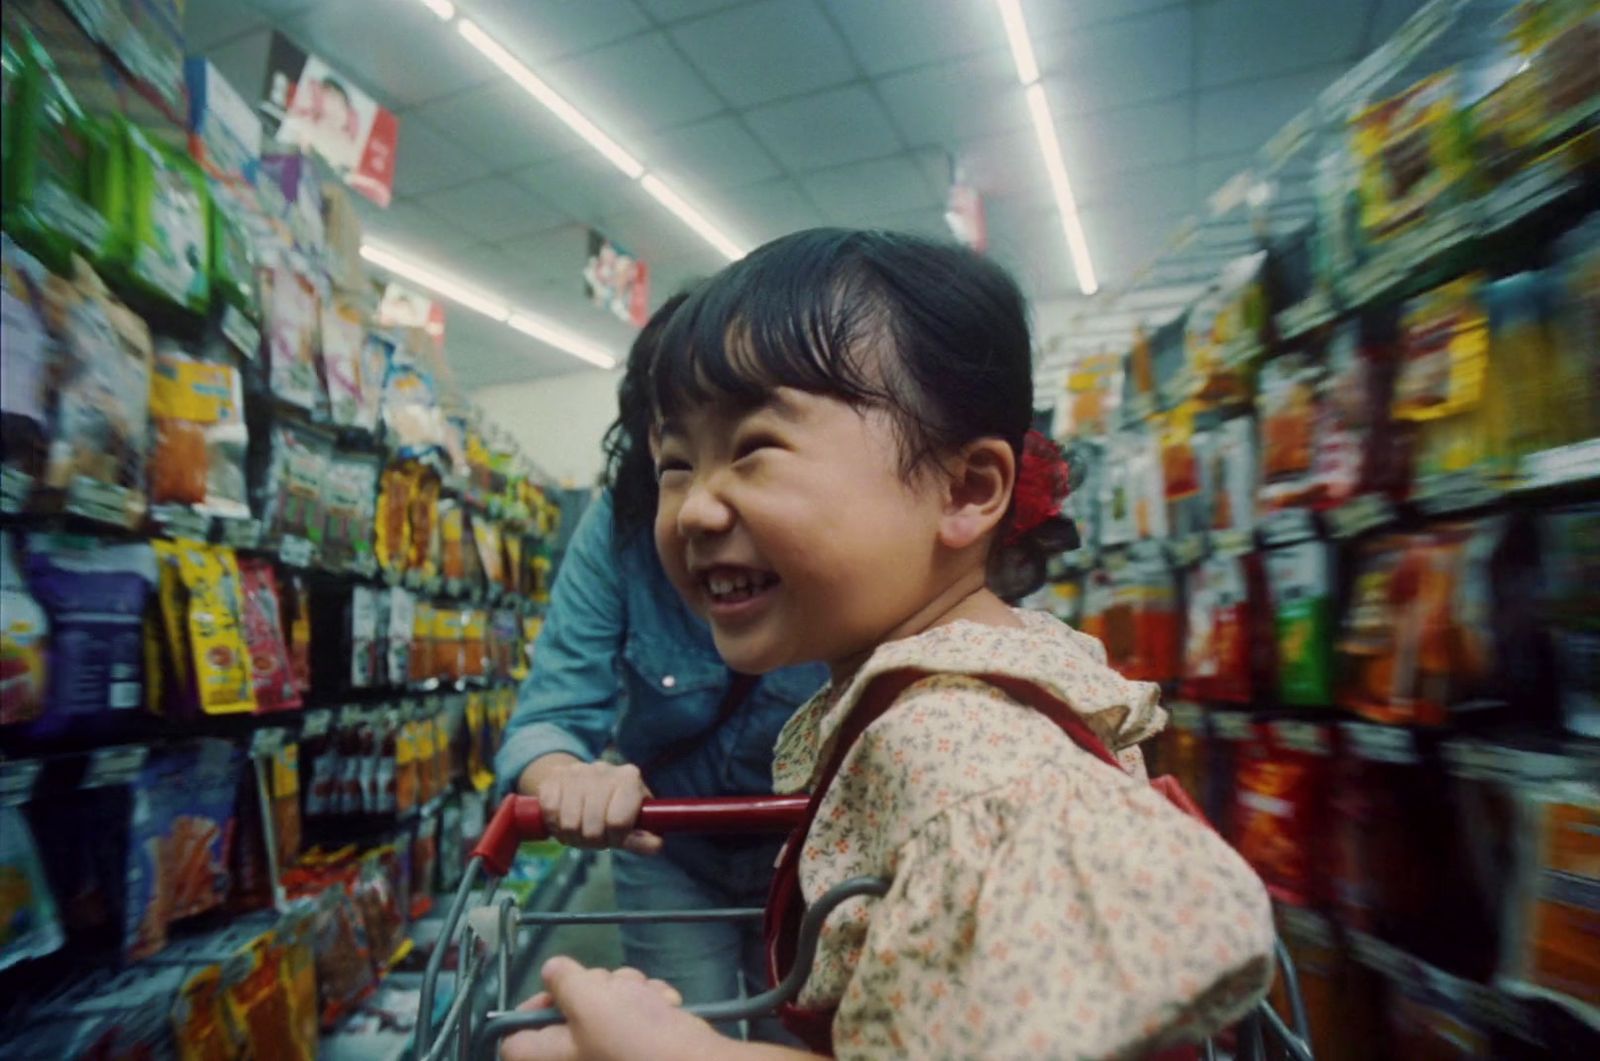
(590, 804)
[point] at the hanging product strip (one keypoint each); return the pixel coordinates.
(268, 586)
(1343, 501)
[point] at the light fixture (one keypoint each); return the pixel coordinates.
(443, 8)
(535, 87)
(405, 267)
(690, 216)
(1044, 130)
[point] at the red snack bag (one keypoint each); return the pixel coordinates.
(275, 684)
(1282, 780)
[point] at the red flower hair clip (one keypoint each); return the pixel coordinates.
(1044, 480)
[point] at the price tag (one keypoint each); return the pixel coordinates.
(105, 503)
(1455, 492)
(240, 533)
(1187, 716)
(1308, 737)
(179, 521)
(1525, 193)
(1312, 312)
(1360, 515)
(242, 332)
(115, 766)
(296, 552)
(317, 723)
(1382, 744)
(17, 778)
(1230, 725)
(1287, 526)
(1187, 551)
(1576, 463)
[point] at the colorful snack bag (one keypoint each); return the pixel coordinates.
(258, 1000)
(344, 330)
(1231, 476)
(214, 618)
(350, 506)
(1217, 662)
(25, 353)
(297, 481)
(1301, 578)
(1287, 406)
(187, 398)
(297, 609)
(29, 924)
(165, 247)
(402, 623)
(366, 653)
(1570, 554)
(293, 303)
(1573, 402)
(284, 778)
(1412, 154)
(393, 531)
(1182, 472)
(343, 953)
(24, 635)
(94, 594)
(199, 1021)
(1281, 791)
(270, 669)
(1441, 386)
(453, 540)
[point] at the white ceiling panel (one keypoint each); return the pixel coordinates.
(941, 104)
(1048, 17)
(653, 238)
(273, 9)
(243, 61)
(1242, 39)
(205, 26)
(499, 123)
(538, 31)
(892, 35)
(763, 211)
(825, 129)
(398, 52)
(426, 161)
(766, 51)
(493, 208)
(1161, 190)
(1130, 138)
(928, 221)
(715, 154)
(584, 185)
(550, 261)
(410, 227)
(858, 193)
(665, 11)
(1116, 64)
(635, 86)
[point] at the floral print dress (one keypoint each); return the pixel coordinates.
(1044, 905)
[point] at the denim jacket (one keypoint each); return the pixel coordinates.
(621, 659)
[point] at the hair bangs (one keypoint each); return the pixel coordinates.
(792, 314)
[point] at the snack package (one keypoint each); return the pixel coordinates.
(187, 397)
(199, 1020)
(392, 543)
(29, 924)
(424, 862)
(1361, 449)
(343, 954)
(204, 613)
(1132, 494)
(258, 999)
(1569, 541)
(1282, 782)
(94, 594)
(24, 636)
(297, 610)
(350, 498)
(411, 413)
(1221, 606)
(377, 350)
(56, 164)
(270, 669)
(102, 409)
(1094, 393)
(283, 777)
(344, 332)
(1287, 406)
(1573, 401)
(296, 485)
(380, 905)
(424, 536)
(25, 354)
(1441, 386)
(1301, 580)
(1524, 370)
(1412, 154)
(1134, 611)
(453, 540)
(1181, 472)
(235, 270)
(1231, 476)
(402, 622)
(165, 248)
(366, 654)
(293, 304)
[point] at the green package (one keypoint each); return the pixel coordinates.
(165, 246)
(1301, 577)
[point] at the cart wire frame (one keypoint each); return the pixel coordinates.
(490, 930)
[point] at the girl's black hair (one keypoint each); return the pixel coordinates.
(808, 310)
(630, 472)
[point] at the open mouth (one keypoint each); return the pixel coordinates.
(735, 585)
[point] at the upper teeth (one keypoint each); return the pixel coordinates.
(721, 583)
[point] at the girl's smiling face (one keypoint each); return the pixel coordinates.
(791, 529)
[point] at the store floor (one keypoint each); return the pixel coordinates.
(594, 945)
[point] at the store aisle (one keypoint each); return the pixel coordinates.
(593, 945)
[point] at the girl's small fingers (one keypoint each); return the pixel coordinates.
(668, 992)
(629, 974)
(542, 1000)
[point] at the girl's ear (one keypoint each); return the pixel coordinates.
(980, 481)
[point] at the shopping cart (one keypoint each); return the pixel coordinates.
(488, 933)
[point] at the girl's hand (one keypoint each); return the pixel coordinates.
(595, 805)
(611, 1016)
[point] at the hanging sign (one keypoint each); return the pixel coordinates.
(308, 103)
(616, 281)
(964, 213)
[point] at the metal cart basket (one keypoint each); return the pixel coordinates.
(487, 933)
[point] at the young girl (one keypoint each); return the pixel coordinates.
(844, 477)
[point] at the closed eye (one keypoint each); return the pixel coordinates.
(668, 465)
(752, 444)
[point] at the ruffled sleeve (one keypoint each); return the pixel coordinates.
(1056, 917)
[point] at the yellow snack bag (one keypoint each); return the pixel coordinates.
(199, 1022)
(223, 680)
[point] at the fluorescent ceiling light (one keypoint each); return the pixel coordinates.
(406, 268)
(562, 339)
(1021, 45)
(443, 8)
(1045, 130)
(691, 217)
(535, 87)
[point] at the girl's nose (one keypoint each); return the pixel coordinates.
(704, 512)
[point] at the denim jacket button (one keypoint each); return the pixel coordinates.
(668, 682)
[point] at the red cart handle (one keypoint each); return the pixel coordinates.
(521, 818)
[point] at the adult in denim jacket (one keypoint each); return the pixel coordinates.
(621, 660)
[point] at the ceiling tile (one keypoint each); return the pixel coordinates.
(1212, 172)
(1046, 18)
(948, 102)
(890, 35)
(826, 129)
(584, 185)
(634, 87)
(1006, 167)
(766, 211)
(928, 221)
(1117, 64)
(426, 161)
(376, 43)
(500, 124)
(862, 193)
(1131, 138)
(550, 261)
(1387, 18)
(1244, 117)
(410, 227)
(493, 208)
(1242, 39)
(1161, 189)
(276, 9)
(205, 25)
(539, 32)
(243, 62)
(765, 51)
(714, 154)
(665, 11)
(657, 236)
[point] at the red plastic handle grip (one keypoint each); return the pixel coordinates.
(521, 818)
